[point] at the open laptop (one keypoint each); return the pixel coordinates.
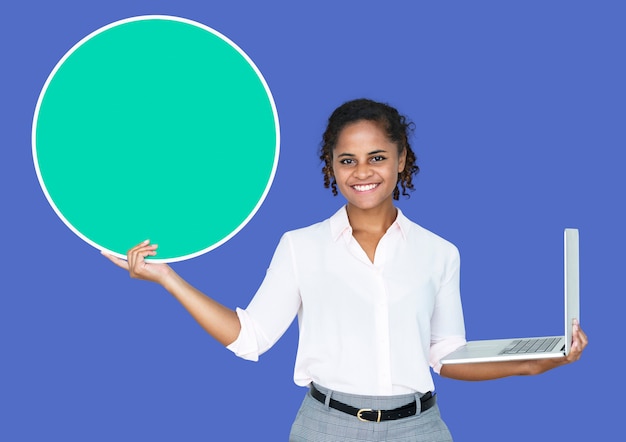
(532, 348)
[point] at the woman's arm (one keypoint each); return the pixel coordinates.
(494, 370)
(219, 321)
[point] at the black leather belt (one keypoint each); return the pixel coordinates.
(369, 415)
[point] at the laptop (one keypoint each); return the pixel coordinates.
(532, 348)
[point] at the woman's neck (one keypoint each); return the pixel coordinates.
(378, 219)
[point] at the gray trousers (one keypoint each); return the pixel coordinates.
(317, 422)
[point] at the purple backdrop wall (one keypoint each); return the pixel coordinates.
(519, 113)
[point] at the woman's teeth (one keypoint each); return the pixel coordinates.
(364, 187)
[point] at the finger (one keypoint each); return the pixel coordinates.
(142, 247)
(580, 334)
(141, 251)
(145, 251)
(582, 337)
(138, 246)
(576, 349)
(137, 264)
(115, 260)
(141, 244)
(148, 251)
(131, 253)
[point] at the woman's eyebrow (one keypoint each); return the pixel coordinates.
(374, 152)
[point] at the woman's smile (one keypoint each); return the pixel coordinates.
(364, 187)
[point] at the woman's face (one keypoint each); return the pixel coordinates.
(366, 165)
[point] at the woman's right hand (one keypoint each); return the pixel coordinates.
(219, 321)
(137, 266)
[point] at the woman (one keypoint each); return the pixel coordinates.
(376, 295)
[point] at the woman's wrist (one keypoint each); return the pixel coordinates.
(170, 281)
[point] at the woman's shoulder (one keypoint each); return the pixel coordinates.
(313, 231)
(320, 231)
(417, 232)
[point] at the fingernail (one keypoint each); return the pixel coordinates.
(146, 241)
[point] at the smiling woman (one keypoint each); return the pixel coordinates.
(393, 126)
(366, 165)
(376, 296)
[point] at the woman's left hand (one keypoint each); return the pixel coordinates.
(483, 371)
(579, 342)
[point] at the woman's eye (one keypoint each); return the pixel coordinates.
(378, 158)
(346, 161)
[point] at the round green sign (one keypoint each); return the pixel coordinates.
(156, 127)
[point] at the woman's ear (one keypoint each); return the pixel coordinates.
(402, 161)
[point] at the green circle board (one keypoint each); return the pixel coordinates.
(156, 127)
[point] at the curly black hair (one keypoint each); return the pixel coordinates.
(398, 129)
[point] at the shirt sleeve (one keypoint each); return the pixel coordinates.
(273, 307)
(447, 324)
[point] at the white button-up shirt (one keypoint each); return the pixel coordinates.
(365, 328)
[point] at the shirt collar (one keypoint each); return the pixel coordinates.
(340, 225)
(403, 224)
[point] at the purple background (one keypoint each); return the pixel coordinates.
(520, 131)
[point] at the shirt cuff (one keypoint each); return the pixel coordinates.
(245, 346)
(441, 349)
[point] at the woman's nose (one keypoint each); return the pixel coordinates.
(362, 170)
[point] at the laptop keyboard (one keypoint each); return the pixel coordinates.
(533, 345)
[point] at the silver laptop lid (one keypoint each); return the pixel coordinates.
(572, 288)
